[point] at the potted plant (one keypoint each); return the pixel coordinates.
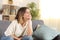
(34, 10)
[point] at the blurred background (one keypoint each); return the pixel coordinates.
(46, 10)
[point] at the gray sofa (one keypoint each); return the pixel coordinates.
(5, 24)
(36, 34)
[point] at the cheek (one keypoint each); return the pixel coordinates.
(26, 15)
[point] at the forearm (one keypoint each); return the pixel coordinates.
(29, 33)
(30, 30)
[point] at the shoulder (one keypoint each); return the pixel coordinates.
(14, 21)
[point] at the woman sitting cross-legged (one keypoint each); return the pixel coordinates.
(21, 27)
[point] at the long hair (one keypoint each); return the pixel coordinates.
(21, 13)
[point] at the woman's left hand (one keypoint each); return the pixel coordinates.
(29, 17)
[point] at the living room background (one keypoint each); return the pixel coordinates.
(49, 9)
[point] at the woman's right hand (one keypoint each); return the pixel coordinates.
(19, 38)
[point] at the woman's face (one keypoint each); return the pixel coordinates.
(27, 15)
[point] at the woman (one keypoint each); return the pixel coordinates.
(21, 27)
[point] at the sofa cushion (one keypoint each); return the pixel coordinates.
(45, 32)
(0, 32)
(3, 26)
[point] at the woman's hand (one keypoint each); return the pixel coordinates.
(19, 38)
(29, 17)
(16, 38)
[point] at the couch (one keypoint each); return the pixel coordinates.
(38, 34)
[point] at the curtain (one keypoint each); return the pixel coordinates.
(50, 13)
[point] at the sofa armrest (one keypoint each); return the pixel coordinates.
(36, 22)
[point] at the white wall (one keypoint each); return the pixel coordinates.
(4, 1)
(50, 13)
(0, 9)
(0, 4)
(21, 2)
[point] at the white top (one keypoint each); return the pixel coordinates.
(0, 16)
(16, 28)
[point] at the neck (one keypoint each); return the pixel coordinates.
(23, 22)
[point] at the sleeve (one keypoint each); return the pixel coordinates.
(31, 26)
(10, 30)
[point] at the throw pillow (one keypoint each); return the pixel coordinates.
(45, 32)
